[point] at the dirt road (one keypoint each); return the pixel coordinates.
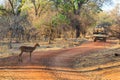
(52, 64)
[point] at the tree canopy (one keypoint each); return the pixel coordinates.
(57, 16)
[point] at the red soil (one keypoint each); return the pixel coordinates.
(63, 59)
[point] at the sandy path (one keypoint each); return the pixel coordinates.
(57, 59)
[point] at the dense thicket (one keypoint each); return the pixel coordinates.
(30, 20)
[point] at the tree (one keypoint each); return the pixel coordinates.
(73, 8)
(115, 28)
(12, 11)
(16, 6)
(40, 6)
(62, 16)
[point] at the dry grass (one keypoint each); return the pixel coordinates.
(55, 45)
(99, 59)
(85, 65)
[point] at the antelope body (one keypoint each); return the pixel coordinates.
(27, 49)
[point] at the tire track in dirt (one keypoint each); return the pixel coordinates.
(56, 58)
(63, 58)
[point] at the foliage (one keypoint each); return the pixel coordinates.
(115, 16)
(60, 19)
(75, 16)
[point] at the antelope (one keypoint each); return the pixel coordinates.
(27, 49)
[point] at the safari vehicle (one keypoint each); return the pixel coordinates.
(100, 33)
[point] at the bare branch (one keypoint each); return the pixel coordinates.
(11, 3)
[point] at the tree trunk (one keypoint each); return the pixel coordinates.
(10, 44)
